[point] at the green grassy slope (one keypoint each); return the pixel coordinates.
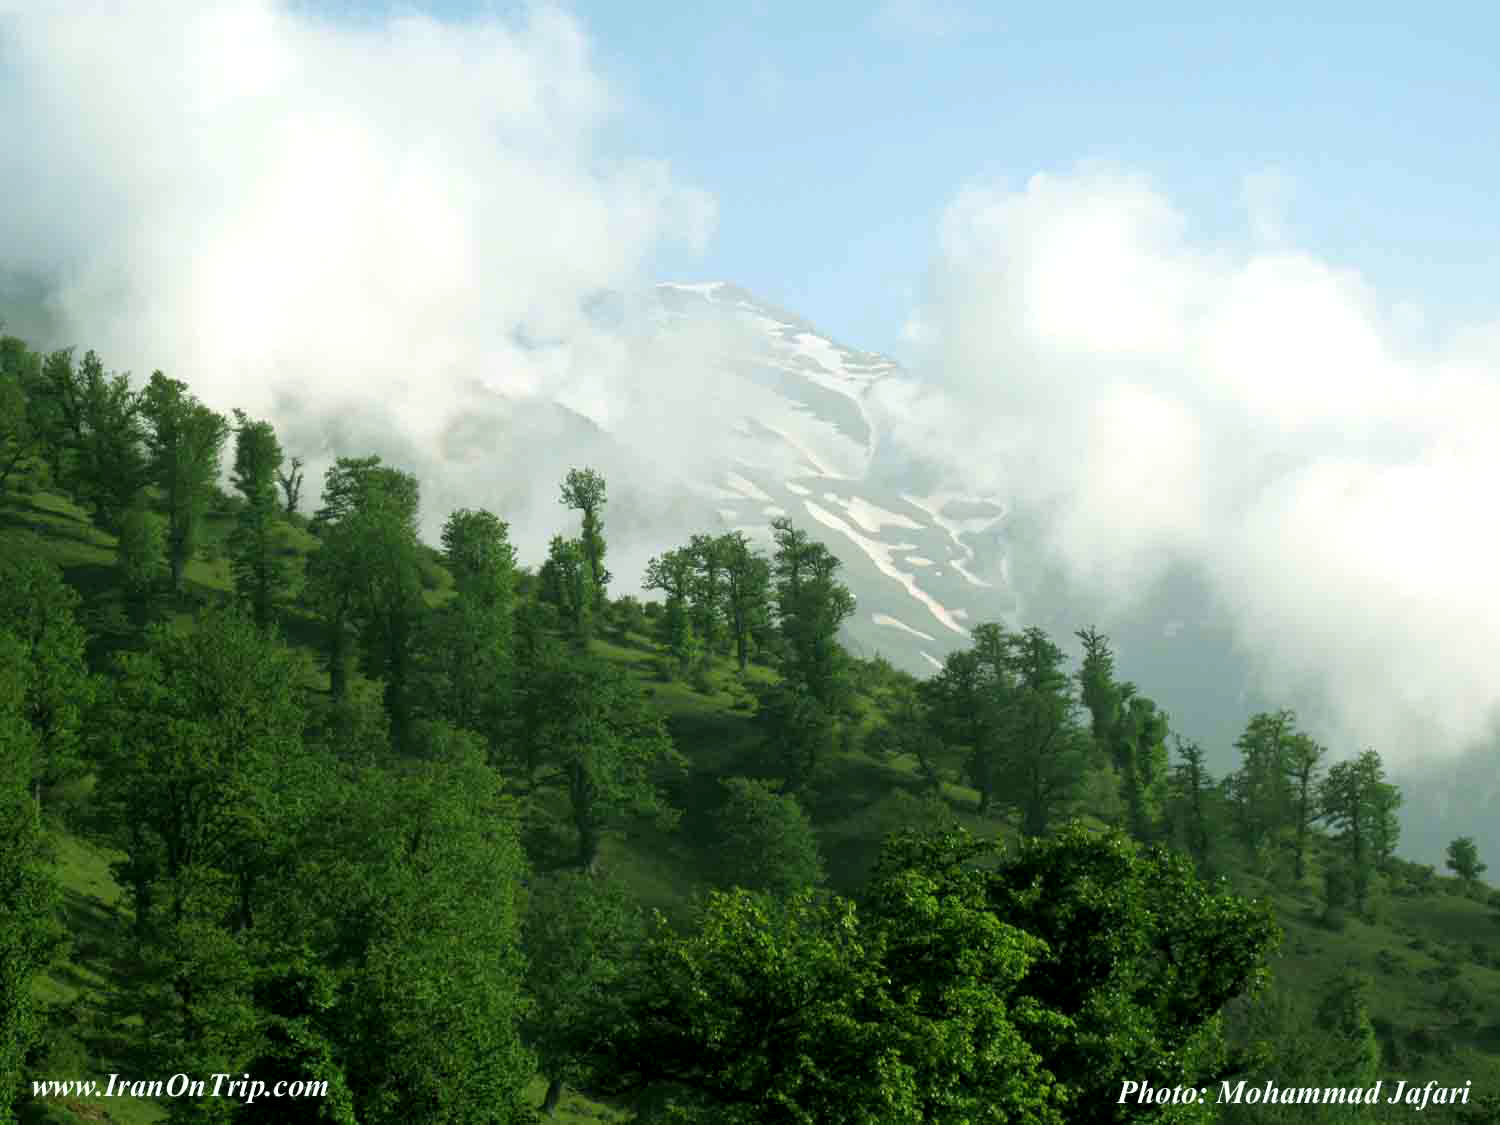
(1435, 956)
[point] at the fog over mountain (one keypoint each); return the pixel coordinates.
(1269, 482)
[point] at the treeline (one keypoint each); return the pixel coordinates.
(330, 861)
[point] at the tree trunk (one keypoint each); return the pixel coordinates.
(554, 1095)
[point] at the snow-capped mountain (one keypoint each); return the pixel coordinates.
(924, 565)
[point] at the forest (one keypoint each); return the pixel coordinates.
(291, 795)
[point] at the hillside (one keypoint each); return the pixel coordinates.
(1428, 942)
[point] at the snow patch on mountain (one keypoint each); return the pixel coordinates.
(887, 620)
(959, 565)
(745, 488)
(957, 527)
(871, 517)
(880, 555)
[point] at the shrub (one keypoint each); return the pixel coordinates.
(765, 839)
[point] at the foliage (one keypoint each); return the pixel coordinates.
(584, 490)
(1463, 859)
(39, 610)
(673, 573)
(141, 560)
(30, 934)
(366, 577)
(259, 574)
(579, 936)
(765, 841)
(184, 440)
(784, 1012)
(1360, 804)
(1139, 957)
(588, 732)
(566, 582)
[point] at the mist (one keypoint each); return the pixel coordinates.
(1318, 457)
(388, 236)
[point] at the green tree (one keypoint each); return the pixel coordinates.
(811, 605)
(672, 573)
(22, 407)
(747, 593)
(18, 438)
(579, 936)
(707, 591)
(628, 617)
(1139, 745)
(89, 424)
(290, 481)
(965, 703)
(430, 1027)
(1096, 680)
(1041, 766)
(39, 610)
(1140, 958)
(1190, 788)
(765, 841)
(398, 974)
(1304, 768)
(1322, 1040)
(141, 560)
(1344, 1016)
(470, 643)
(798, 729)
(907, 726)
(1359, 805)
(1463, 860)
(566, 582)
(1261, 789)
(585, 724)
(780, 1012)
(583, 490)
(202, 729)
(366, 579)
(254, 546)
(185, 441)
(30, 933)
(958, 990)
(201, 773)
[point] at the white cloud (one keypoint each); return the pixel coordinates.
(1263, 418)
(352, 229)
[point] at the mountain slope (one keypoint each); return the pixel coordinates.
(923, 565)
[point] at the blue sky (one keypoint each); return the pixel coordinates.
(833, 135)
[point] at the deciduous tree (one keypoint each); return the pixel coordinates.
(1463, 860)
(185, 440)
(254, 546)
(584, 491)
(31, 934)
(765, 841)
(39, 610)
